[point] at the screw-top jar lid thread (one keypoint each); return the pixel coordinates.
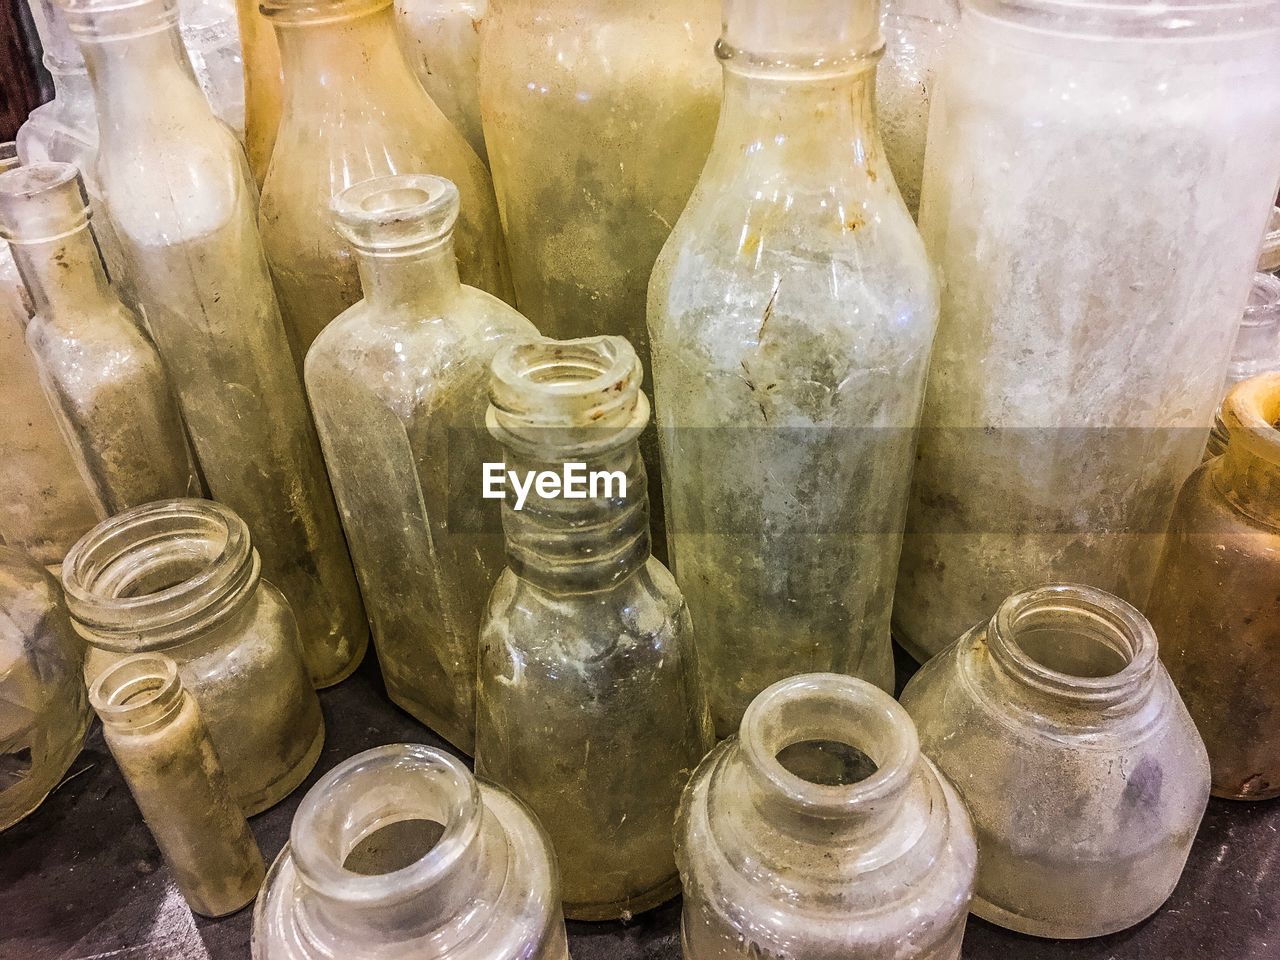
(138, 693)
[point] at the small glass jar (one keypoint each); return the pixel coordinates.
(162, 746)
(182, 577)
(1214, 603)
(821, 832)
(1082, 770)
(398, 853)
(1257, 348)
(44, 712)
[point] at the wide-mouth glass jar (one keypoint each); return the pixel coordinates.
(182, 577)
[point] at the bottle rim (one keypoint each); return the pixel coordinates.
(310, 12)
(402, 214)
(1129, 20)
(91, 21)
(138, 692)
(1263, 308)
(41, 202)
(1251, 416)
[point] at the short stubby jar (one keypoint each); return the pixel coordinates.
(399, 853)
(821, 832)
(1082, 770)
(181, 577)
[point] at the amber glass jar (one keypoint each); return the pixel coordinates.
(1216, 603)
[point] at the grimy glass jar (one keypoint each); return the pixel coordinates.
(588, 702)
(263, 86)
(353, 109)
(162, 746)
(44, 504)
(181, 577)
(1080, 766)
(179, 194)
(103, 378)
(791, 314)
(398, 853)
(441, 39)
(821, 832)
(1098, 176)
(399, 388)
(44, 712)
(1257, 347)
(1216, 601)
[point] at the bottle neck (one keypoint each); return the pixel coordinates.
(138, 695)
(64, 276)
(423, 281)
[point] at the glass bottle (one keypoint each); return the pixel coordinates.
(44, 712)
(399, 853)
(791, 314)
(354, 110)
(821, 832)
(1214, 601)
(1098, 177)
(263, 86)
(588, 702)
(1257, 348)
(916, 33)
(441, 39)
(44, 503)
(181, 577)
(102, 376)
(212, 38)
(398, 385)
(1083, 773)
(179, 194)
(156, 735)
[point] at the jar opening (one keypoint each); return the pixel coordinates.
(394, 847)
(827, 763)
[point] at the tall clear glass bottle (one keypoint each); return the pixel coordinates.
(589, 707)
(791, 313)
(263, 86)
(1214, 605)
(441, 38)
(1256, 350)
(103, 378)
(361, 877)
(44, 503)
(353, 109)
(399, 386)
(1098, 177)
(178, 191)
(820, 831)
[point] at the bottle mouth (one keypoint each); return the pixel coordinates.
(137, 692)
(1130, 20)
(41, 202)
(830, 710)
(93, 20)
(405, 214)
(371, 792)
(825, 36)
(1074, 643)
(1251, 416)
(159, 574)
(286, 12)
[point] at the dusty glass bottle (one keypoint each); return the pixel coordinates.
(212, 39)
(1257, 347)
(916, 32)
(441, 39)
(353, 109)
(44, 712)
(263, 86)
(44, 504)
(155, 732)
(1072, 146)
(588, 702)
(182, 577)
(399, 388)
(791, 314)
(821, 832)
(1084, 775)
(179, 194)
(1217, 590)
(399, 853)
(102, 376)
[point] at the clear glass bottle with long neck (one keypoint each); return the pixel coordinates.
(589, 707)
(178, 191)
(441, 38)
(103, 377)
(1098, 177)
(44, 504)
(791, 313)
(353, 110)
(263, 86)
(399, 385)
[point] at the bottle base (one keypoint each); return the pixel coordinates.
(357, 658)
(1265, 790)
(913, 650)
(285, 785)
(1048, 929)
(625, 909)
(461, 740)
